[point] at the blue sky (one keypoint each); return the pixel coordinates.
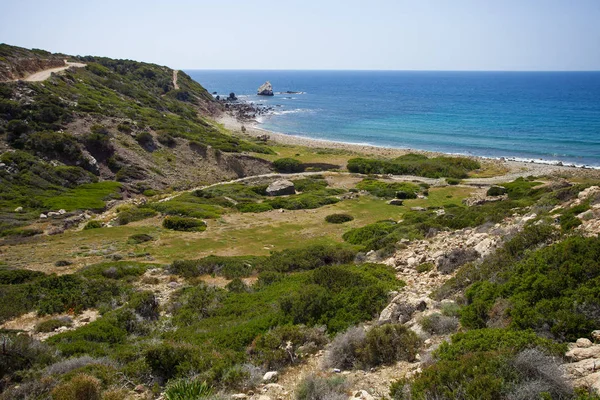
(322, 34)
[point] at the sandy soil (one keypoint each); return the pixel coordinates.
(45, 74)
(515, 168)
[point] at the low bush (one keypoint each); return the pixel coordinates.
(346, 349)
(184, 224)
(490, 363)
(187, 389)
(228, 267)
(415, 164)
(285, 345)
(254, 207)
(134, 214)
(452, 181)
(139, 238)
(438, 324)
(93, 225)
(316, 388)
(288, 165)
(338, 218)
(81, 387)
(384, 344)
(389, 190)
(51, 325)
(425, 267)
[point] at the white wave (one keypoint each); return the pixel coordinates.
(294, 111)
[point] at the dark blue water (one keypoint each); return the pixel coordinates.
(525, 115)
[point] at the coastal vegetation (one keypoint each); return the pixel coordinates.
(416, 164)
(138, 280)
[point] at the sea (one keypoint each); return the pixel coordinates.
(546, 117)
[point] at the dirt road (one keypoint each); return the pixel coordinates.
(45, 74)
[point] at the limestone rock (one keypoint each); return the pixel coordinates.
(266, 89)
(281, 188)
(583, 343)
(582, 353)
(361, 395)
(596, 335)
(19, 209)
(418, 209)
(395, 202)
(270, 376)
(239, 396)
(43, 216)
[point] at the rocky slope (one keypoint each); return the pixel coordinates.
(112, 120)
(17, 63)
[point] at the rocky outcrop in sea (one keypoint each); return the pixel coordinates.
(266, 89)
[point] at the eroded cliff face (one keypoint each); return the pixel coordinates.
(19, 68)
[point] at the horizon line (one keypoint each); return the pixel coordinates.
(389, 70)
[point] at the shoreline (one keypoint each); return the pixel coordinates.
(513, 165)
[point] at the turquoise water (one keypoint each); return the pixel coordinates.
(551, 116)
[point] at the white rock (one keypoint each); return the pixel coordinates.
(361, 395)
(270, 376)
(583, 342)
(281, 188)
(581, 353)
(62, 211)
(19, 209)
(43, 216)
(596, 335)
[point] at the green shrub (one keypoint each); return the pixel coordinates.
(134, 214)
(552, 290)
(184, 224)
(288, 165)
(425, 267)
(228, 267)
(338, 218)
(93, 225)
(389, 190)
(139, 238)
(415, 164)
(496, 191)
(51, 325)
(490, 363)
(145, 139)
(18, 276)
(184, 389)
(81, 387)
(452, 181)
(310, 184)
(386, 344)
(308, 258)
(115, 270)
(272, 349)
(254, 207)
(303, 201)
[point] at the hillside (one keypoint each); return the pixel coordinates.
(148, 253)
(112, 121)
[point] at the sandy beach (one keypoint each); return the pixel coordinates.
(515, 168)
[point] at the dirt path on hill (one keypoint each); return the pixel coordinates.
(175, 85)
(45, 74)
